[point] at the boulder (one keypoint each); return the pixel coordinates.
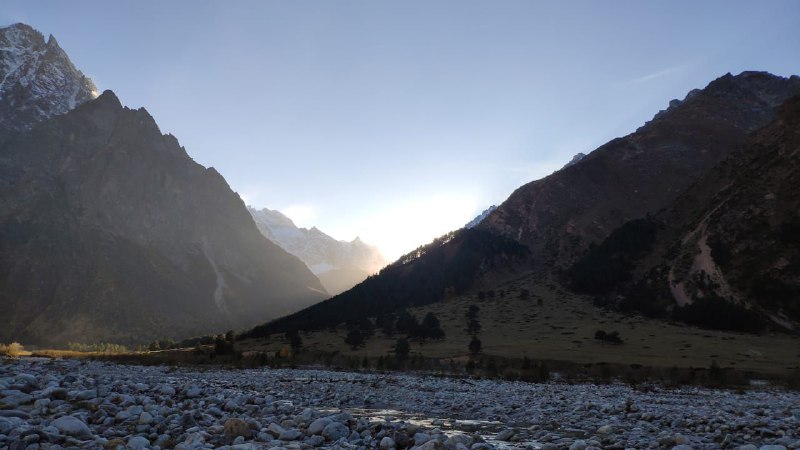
(235, 427)
(72, 426)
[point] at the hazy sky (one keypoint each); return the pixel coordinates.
(399, 121)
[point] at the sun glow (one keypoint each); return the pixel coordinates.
(400, 228)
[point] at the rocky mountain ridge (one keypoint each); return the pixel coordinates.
(38, 79)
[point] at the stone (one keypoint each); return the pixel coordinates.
(59, 394)
(772, 447)
(335, 431)
(432, 444)
(682, 447)
(578, 445)
(7, 424)
(606, 429)
(318, 425)
(680, 439)
(115, 443)
(458, 440)
(145, 418)
(275, 429)
(291, 435)
(421, 438)
(137, 443)
(166, 389)
(88, 394)
(387, 443)
(482, 446)
(235, 427)
(504, 435)
(307, 415)
(14, 413)
(315, 441)
(14, 398)
(72, 426)
(194, 392)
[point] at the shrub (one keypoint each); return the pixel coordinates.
(475, 345)
(402, 349)
(354, 339)
(612, 337)
(293, 336)
(430, 328)
(14, 349)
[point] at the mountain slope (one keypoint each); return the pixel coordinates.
(450, 265)
(38, 80)
(339, 265)
(558, 216)
(726, 253)
(109, 231)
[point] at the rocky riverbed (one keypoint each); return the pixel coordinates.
(59, 404)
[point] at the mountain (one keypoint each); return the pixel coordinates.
(109, 231)
(725, 254)
(480, 217)
(38, 79)
(559, 216)
(548, 224)
(339, 265)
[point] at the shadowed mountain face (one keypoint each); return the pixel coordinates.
(726, 253)
(37, 79)
(109, 231)
(557, 217)
(339, 265)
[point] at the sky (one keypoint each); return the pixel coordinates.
(400, 121)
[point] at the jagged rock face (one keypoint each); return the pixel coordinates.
(339, 265)
(557, 217)
(110, 232)
(38, 80)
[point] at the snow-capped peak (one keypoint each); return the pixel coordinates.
(338, 264)
(37, 79)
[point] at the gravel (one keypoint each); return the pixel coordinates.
(60, 404)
